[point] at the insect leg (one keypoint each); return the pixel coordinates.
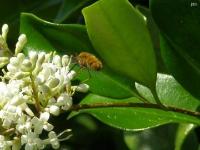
(88, 71)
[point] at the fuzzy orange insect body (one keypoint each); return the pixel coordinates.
(88, 60)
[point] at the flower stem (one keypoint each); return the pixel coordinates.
(35, 94)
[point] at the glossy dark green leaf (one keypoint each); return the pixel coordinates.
(72, 39)
(171, 93)
(10, 12)
(182, 69)
(149, 139)
(119, 34)
(154, 32)
(164, 135)
(43, 35)
(179, 23)
(69, 7)
(132, 118)
(182, 133)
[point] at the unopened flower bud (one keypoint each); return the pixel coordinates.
(2, 65)
(11, 108)
(54, 110)
(33, 57)
(20, 57)
(21, 75)
(46, 109)
(26, 65)
(20, 44)
(44, 116)
(17, 100)
(14, 61)
(48, 57)
(41, 57)
(7, 123)
(27, 109)
(57, 60)
(65, 60)
(11, 68)
(3, 61)
(53, 82)
(40, 79)
(45, 90)
(38, 67)
(82, 88)
(5, 31)
(71, 74)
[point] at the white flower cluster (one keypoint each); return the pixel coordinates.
(40, 80)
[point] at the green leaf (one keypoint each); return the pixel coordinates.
(119, 34)
(10, 12)
(180, 67)
(182, 133)
(46, 36)
(149, 139)
(179, 23)
(68, 8)
(171, 93)
(72, 39)
(132, 118)
(154, 32)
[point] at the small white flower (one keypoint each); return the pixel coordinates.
(71, 75)
(24, 124)
(45, 117)
(25, 107)
(43, 81)
(65, 101)
(41, 123)
(5, 144)
(18, 99)
(53, 140)
(32, 141)
(9, 115)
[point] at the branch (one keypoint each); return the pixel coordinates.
(141, 105)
